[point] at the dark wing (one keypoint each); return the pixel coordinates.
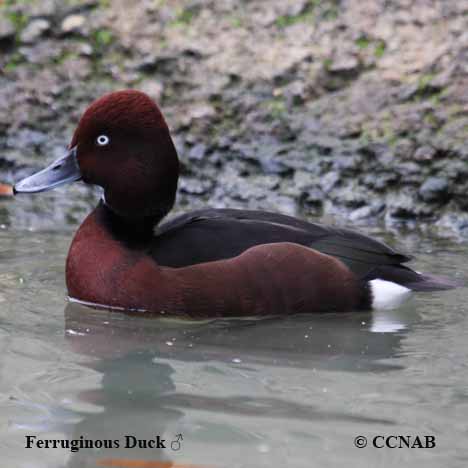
(208, 235)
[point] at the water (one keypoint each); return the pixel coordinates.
(291, 392)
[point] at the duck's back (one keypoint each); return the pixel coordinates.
(216, 234)
(211, 234)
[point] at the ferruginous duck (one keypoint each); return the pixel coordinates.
(210, 262)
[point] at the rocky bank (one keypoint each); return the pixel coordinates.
(355, 109)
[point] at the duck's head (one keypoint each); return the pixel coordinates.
(122, 143)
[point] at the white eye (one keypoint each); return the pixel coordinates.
(102, 140)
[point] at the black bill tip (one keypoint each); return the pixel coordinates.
(62, 171)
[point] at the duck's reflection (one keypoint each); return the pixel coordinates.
(136, 356)
(348, 342)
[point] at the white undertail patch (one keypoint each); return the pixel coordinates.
(388, 295)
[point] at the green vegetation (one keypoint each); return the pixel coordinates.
(184, 17)
(431, 120)
(17, 19)
(307, 14)
(383, 132)
(288, 20)
(11, 3)
(326, 10)
(64, 56)
(276, 107)
(379, 49)
(102, 38)
(365, 42)
(424, 82)
(427, 90)
(327, 63)
(235, 21)
(330, 13)
(15, 60)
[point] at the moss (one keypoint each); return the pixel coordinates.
(235, 21)
(15, 60)
(384, 132)
(330, 13)
(327, 63)
(276, 107)
(64, 56)
(18, 19)
(424, 81)
(426, 90)
(363, 42)
(436, 99)
(102, 37)
(431, 120)
(184, 17)
(12, 3)
(379, 48)
(314, 9)
(454, 110)
(288, 20)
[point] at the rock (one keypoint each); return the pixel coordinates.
(434, 189)
(43, 9)
(380, 181)
(367, 211)
(402, 206)
(76, 68)
(195, 186)
(329, 181)
(344, 64)
(73, 24)
(295, 93)
(152, 62)
(34, 30)
(198, 111)
(7, 31)
(312, 197)
(40, 52)
(424, 153)
(197, 152)
(152, 88)
(86, 50)
(351, 195)
(274, 166)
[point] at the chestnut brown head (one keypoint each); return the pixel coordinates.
(122, 143)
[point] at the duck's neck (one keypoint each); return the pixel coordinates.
(132, 230)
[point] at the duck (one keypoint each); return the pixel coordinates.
(208, 263)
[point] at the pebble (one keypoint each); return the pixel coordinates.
(434, 189)
(34, 30)
(7, 30)
(72, 24)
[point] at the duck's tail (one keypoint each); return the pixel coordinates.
(413, 280)
(391, 285)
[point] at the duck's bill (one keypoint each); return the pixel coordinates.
(62, 171)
